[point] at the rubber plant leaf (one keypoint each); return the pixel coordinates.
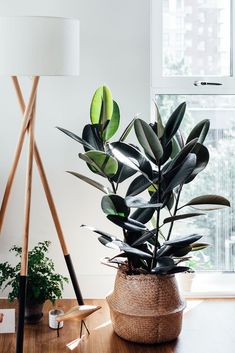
(77, 138)
(91, 135)
(203, 157)
(208, 202)
(132, 157)
(199, 246)
(101, 108)
(200, 131)
(148, 140)
(180, 157)
(115, 205)
(127, 223)
(158, 119)
(113, 242)
(183, 172)
(100, 162)
(124, 172)
(139, 184)
(164, 265)
(174, 122)
(143, 215)
(144, 237)
(91, 182)
(113, 123)
(183, 241)
(128, 129)
(182, 216)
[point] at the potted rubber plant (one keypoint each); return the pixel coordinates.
(43, 282)
(145, 305)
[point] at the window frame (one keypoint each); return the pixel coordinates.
(182, 84)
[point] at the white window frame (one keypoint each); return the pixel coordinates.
(207, 284)
(181, 84)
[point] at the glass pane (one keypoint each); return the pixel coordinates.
(196, 37)
(218, 227)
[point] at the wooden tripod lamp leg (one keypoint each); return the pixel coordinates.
(11, 176)
(51, 204)
(24, 255)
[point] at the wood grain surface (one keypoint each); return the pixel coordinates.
(208, 327)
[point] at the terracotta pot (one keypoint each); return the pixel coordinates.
(33, 312)
(146, 308)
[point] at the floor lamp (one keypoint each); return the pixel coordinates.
(36, 46)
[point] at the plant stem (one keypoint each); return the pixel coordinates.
(158, 218)
(113, 186)
(124, 233)
(175, 211)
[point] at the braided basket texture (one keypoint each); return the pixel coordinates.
(146, 308)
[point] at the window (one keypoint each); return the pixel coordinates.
(204, 54)
(206, 39)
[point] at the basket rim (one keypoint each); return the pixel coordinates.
(154, 313)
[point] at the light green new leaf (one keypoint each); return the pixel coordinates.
(148, 139)
(101, 163)
(101, 108)
(113, 124)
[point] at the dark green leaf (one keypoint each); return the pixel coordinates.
(148, 140)
(182, 216)
(124, 172)
(144, 237)
(175, 148)
(177, 161)
(131, 157)
(127, 223)
(164, 265)
(91, 135)
(183, 241)
(174, 122)
(91, 182)
(128, 129)
(173, 179)
(178, 269)
(112, 242)
(115, 205)
(202, 161)
(143, 215)
(77, 138)
(199, 131)
(208, 202)
(139, 184)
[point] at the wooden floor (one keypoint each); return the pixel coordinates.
(208, 328)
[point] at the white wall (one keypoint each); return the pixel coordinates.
(115, 51)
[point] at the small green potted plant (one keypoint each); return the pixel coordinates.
(43, 282)
(145, 305)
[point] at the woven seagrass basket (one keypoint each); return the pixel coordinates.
(146, 308)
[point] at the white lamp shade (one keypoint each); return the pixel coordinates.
(39, 46)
